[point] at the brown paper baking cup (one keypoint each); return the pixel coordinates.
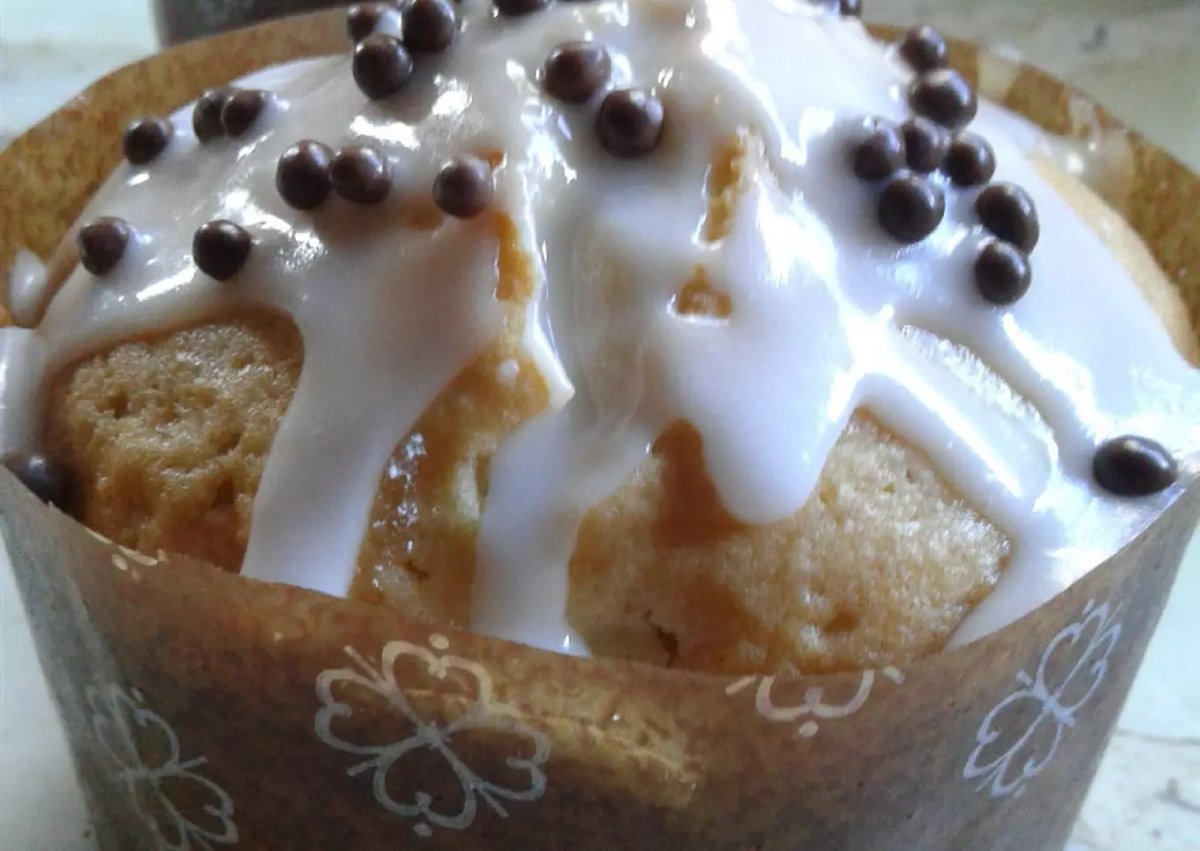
(205, 710)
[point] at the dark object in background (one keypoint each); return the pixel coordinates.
(184, 20)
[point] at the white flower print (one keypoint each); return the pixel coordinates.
(1019, 738)
(813, 703)
(181, 809)
(416, 752)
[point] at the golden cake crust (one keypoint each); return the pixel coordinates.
(879, 566)
(167, 436)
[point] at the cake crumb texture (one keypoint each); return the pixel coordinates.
(168, 435)
(878, 567)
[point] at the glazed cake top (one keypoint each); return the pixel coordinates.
(892, 247)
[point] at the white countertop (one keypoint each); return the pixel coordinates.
(1139, 57)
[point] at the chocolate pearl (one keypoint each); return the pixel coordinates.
(519, 7)
(360, 174)
(146, 138)
(363, 18)
(1133, 466)
(381, 66)
(49, 480)
(850, 8)
(206, 117)
(242, 109)
(970, 160)
(925, 144)
(910, 208)
(924, 49)
(463, 188)
(429, 25)
(302, 176)
(630, 122)
(220, 249)
(1007, 211)
(576, 70)
(1002, 272)
(944, 96)
(881, 153)
(102, 244)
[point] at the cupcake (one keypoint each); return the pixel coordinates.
(562, 425)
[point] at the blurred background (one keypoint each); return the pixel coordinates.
(1141, 58)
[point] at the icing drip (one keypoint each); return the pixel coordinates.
(827, 313)
(26, 287)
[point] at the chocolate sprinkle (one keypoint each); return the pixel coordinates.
(576, 70)
(50, 481)
(1133, 466)
(520, 7)
(360, 174)
(881, 153)
(463, 188)
(206, 117)
(925, 144)
(924, 49)
(302, 176)
(910, 208)
(429, 25)
(363, 18)
(630, 122)
(146, 138)
(220, 249)
(970, 161)
(944, 96)
(1002, 272)
(850, 8)
(242, 109)
(1007, 211)
(102, 244)
(381, 66)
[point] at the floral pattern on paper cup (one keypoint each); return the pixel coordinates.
(1019, 738)
(466, 689)
(813, 703)
(181, 809)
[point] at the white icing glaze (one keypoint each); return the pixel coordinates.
(820, 295)
(22, 363)
(26, 288)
